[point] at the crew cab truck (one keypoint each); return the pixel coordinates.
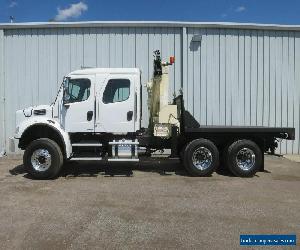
(97, 114)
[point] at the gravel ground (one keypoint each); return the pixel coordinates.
(158, 207)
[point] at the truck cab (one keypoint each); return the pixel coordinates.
(100, 101)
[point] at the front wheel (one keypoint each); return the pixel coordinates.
(201, 157)
(43, 159)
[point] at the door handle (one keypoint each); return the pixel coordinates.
(89, 115)
(129, 115)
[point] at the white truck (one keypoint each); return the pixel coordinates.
(97, 114)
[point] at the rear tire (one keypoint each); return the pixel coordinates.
(201, 157)
(43, 159)
(243, 158)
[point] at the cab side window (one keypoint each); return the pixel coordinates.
(117, 90)
(78, 90)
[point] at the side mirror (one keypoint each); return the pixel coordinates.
(66, 99)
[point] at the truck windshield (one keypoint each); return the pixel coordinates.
(77, 90)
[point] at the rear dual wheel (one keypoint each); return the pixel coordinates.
(243, 158)
(200, 157)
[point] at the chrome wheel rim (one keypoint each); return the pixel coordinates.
(41, 160)
(245, 159)
(202, 158)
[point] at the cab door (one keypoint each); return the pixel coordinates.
(116, 105)
(77, 112)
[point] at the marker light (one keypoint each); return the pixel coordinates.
(172, 59)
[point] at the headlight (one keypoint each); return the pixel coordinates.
(27, 112)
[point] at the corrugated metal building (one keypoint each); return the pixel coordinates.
(238, 74)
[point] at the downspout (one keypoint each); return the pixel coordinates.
(2, 96)
(184, 61)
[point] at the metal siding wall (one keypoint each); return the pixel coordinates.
(245, 77)
(2, 102)
(37, 59)
(11, 95)
(234, 77)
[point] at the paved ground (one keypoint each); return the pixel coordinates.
(295, 158)
(159, 207)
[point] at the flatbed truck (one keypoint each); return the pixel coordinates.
(97, 115)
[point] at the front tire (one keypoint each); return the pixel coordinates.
(201, 157)
(243, 158)
(43, 159)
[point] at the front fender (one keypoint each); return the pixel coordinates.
(26, 124)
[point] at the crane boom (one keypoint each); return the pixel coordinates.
(162, 114)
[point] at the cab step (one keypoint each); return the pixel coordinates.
(86, 159)
(86, 145)
(123, 159)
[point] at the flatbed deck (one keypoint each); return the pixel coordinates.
(284, 133)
